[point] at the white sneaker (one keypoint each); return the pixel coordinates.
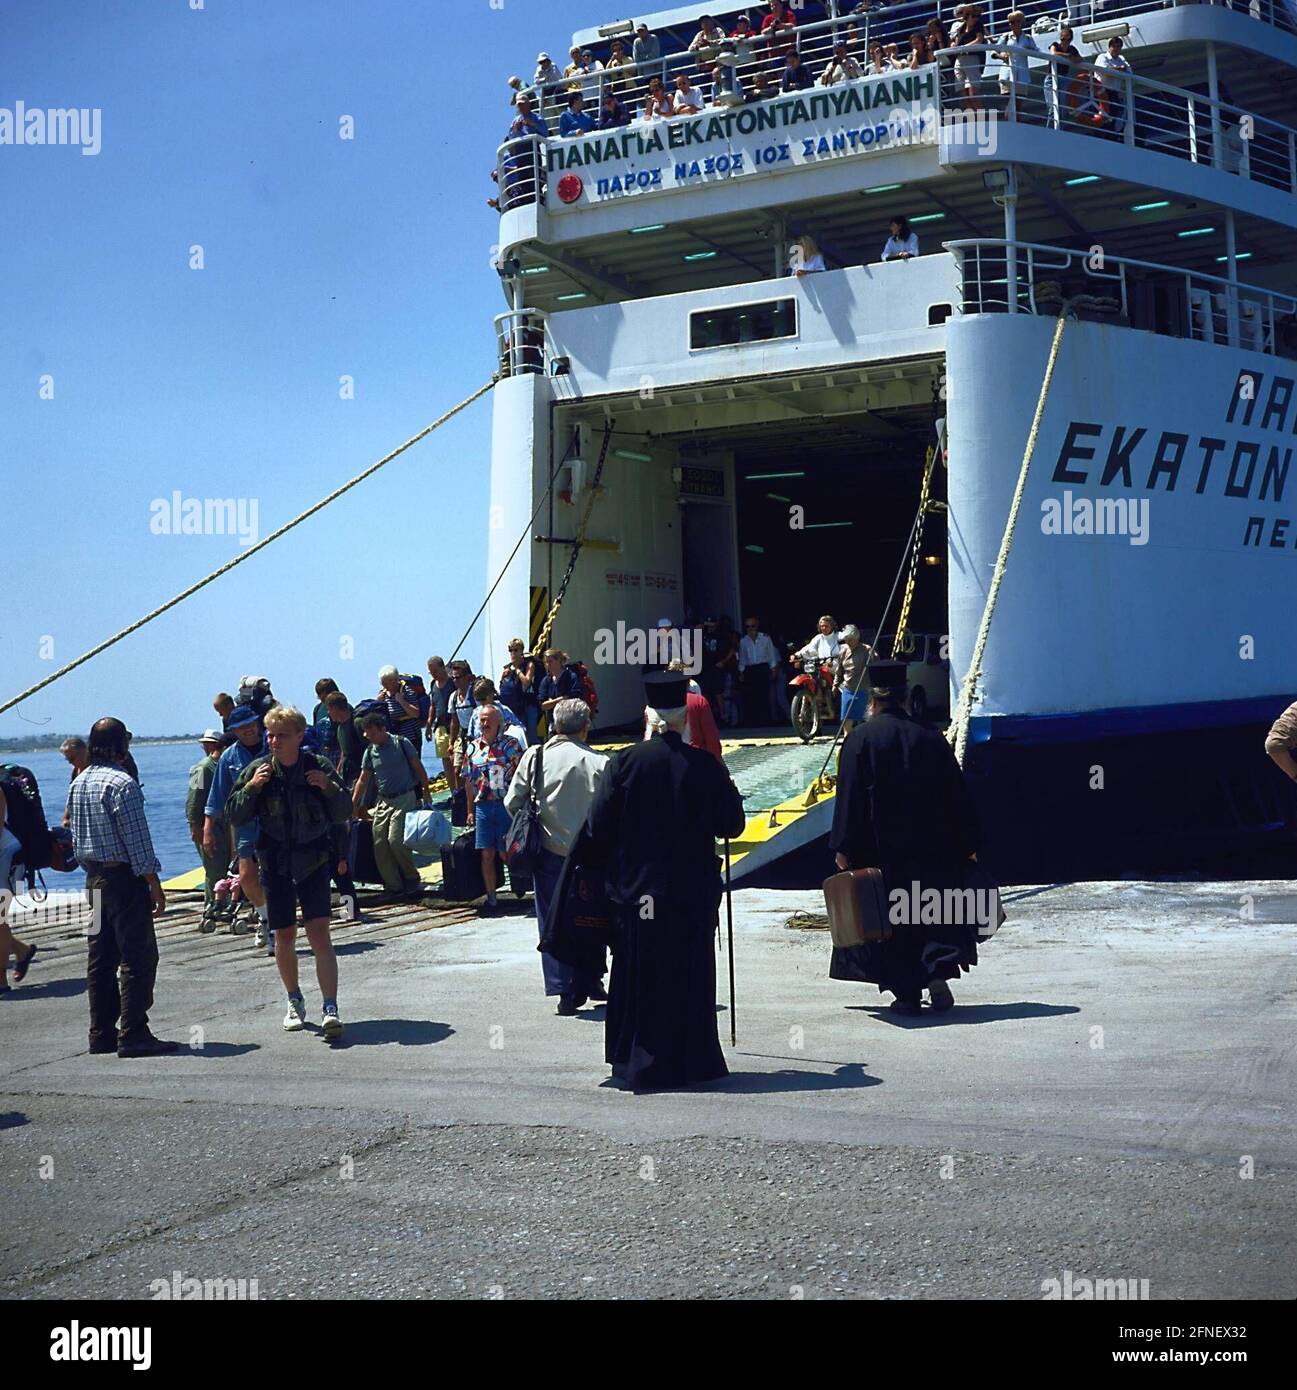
(295, 1018)
(259, 938)
(330, 1023)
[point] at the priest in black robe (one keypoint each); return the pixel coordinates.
(902, 807)
(652, 828)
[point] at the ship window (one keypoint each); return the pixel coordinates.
(734, 325)
(937, 313)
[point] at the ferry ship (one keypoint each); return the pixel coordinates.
(741, 438)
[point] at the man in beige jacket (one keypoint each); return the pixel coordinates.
(571, 772)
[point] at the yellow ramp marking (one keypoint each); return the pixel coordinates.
(758, 829)
(193, 880)
(185, 882)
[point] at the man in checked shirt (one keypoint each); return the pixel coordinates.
(112, 841)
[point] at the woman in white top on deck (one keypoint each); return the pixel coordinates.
(1015, 45)
(805, 257)
(901, 244)
(657, 105)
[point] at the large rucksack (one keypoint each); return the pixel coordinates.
(366, 707)
(421, 696)
(588, 693)
(255, 692)
(25, 816)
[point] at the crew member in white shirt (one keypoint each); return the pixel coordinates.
(758, 671)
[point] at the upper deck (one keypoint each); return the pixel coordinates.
(1204, 121)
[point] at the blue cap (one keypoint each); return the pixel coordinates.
(240, 716)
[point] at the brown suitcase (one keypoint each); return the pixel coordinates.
(857, 906)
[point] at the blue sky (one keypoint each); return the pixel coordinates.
(323, 257)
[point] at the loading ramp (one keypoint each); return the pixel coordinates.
(773, 772)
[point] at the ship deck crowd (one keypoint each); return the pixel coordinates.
(983, 55)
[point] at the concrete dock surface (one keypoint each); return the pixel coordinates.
(1112, 1097)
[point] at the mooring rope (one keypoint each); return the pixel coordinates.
(957, 733)
(247, 554)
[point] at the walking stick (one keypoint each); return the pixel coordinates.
(729, 929)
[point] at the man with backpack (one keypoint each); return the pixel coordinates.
(295, 799)
(406, 703)
(565, 680)
(391, 765)
(113, 844)
(438, 729)
(346, 737)
(200, 786)
(245, 725)
(460, 706)
(518, 683)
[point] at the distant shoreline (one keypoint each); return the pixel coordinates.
(51, 744)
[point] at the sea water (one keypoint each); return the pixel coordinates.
(164, 778)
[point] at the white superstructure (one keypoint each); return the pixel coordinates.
(767, 431)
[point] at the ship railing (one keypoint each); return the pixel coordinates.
(1001, 276)
(1065, 94)
(520, 340)
(520, 172)
(1084, 13)
(1079, 97)
(742, 61)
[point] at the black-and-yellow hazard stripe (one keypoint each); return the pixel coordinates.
(539, 612)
